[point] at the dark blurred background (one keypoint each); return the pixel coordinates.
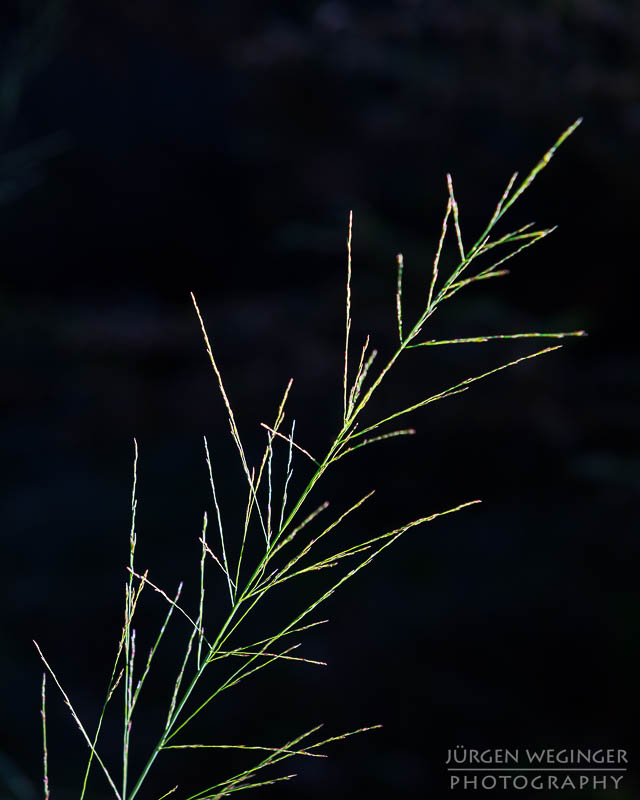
(151, 148)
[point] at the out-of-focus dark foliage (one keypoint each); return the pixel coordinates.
(150, 148)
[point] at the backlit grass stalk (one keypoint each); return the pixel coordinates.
(290, 530)
(45, 751)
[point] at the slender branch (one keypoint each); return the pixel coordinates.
(348, 317)
(400, 260)
(45, 754)
(76, 719)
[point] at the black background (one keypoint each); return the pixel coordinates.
(154, 148)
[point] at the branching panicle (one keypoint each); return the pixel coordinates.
(247, 584)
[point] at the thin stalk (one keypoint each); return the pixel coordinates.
(400, 260)
(348, 318)
(480, 339)
(289, 473)
(45, 754)
(219, 518)
(129, 642)
(202, 586)
(76, 719)
(180, 704)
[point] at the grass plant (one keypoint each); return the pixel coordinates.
(288, 530)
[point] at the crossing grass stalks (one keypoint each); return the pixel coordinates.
(288, 528)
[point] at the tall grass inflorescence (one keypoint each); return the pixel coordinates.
(288, 529)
